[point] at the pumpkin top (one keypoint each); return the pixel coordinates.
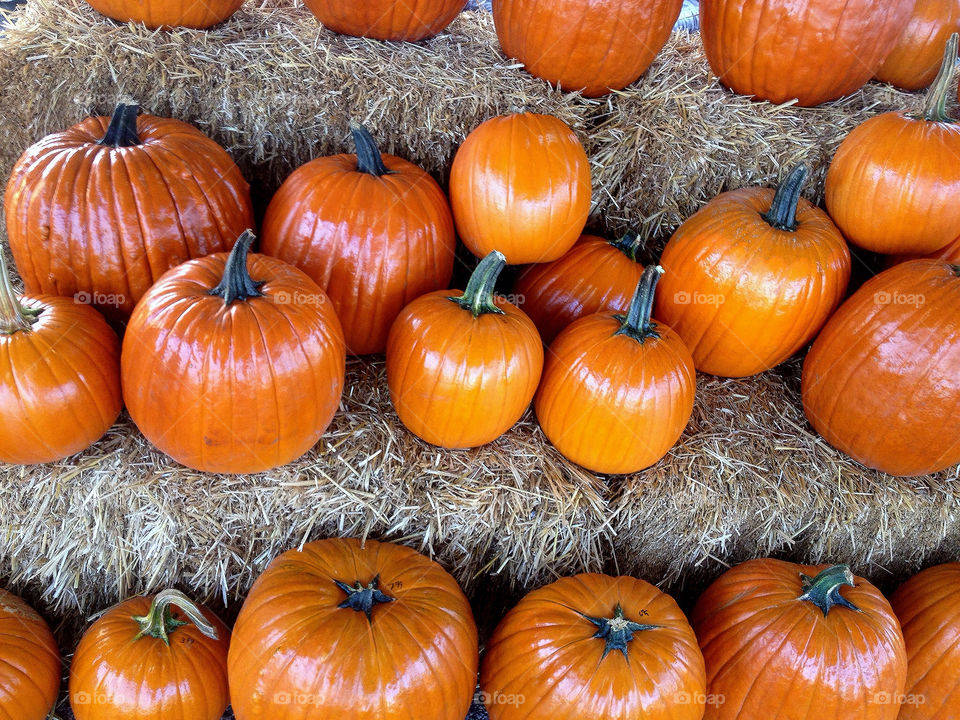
(935, 109)
(159, 622)
(617, 631)
(629, 244)
(363, 598)
(638, 323)
(824, 589)
(14, 317)
(478, 297)
(237, 283)
(783, 211)
(122, 131)
(369, 158)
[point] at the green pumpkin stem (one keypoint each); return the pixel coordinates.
(122, 131)
(159, 621)
(14, 317)
(629, 245)
(369, 159)
(783, 211)
(638, 323)
(935, 109)
(617, 631)
(362, 598)
(237, 283)
(824, 589)
(478, 297)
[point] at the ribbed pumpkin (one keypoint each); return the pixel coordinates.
(617, 390)
(105, 208)
(811, 50)
(520, 184)
(893, 184)
(168, 13)
(915, 58)
(796, 642)
(340, 629)
(29, 662)
(752, 277)
(59, 376)
(375, 232)
(152, 658)
(881, 383)
(591, 45)
(928, 606)
(595, 275)
(386, 19)
(233, 370)
(594, 647)
(463, 366)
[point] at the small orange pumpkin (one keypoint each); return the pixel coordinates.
(29, 662)
(409, 20)
(915, 58)
(168, 13)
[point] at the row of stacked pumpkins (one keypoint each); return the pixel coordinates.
(236, 362)
(342, 630)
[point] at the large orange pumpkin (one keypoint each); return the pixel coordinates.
(29, 662)
(103, 209)
(234, 370)
(809, 50)
(463, 366)
(915, 58)
(752, 277)
(520, 184)
(928, 607)
(59, 376)
(595, 275)
(591, 45)
(594, 647)
(152, 658)
(375, 232)
(340, 629)
(617, 390)
(387, 19)
(893, 184)
(881, 382)
(168, 13)
(796, 642)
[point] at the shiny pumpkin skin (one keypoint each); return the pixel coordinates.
(168, 13)
(116, 676)
(296, 654)
(233, 389)
(29, 662)
(770, 655)
(591, 45)
(546, 652)
(880, 383)
(928, 606)
(594, 275)
(410, 20)
(520, 184)
(915, 58)
(811, 50)
(744, 295)
(107, 222)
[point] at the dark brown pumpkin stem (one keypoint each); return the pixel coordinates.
(478, 297)
(237, 283)
(363, 599)
(824, 590)
(159, 621)
(122, 131)
(783, 212)
(369, 159)
(617, 631)
(629, 245)
(637, 323)
(935, 109)
(14, 317)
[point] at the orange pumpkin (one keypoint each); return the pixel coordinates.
(809, 50)
(233, 370)
(104, 209)
(595, 275)
(168, 13)
(520, 184)
(915, 58)
(893, 184)
(340, 629)
(463, 366)
(375, 232)
(881, 383)
(617, 390)
(752, 277)
(928, 606)
(152, 658)
(387, 19)
(59, 376)
(784, 641)
(29, 662)
(591, 45)
(594, 647)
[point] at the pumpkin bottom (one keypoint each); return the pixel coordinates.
(197, 16)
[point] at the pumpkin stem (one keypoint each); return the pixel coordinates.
(369, 159)
(237, 283)
(363, 599)
(478, 297)
(824, 590)
(122, 131)
(14, 317)
(629, 245)
(637, 323)
(159, 621)
(935, 109)
(617, 631)
(783, 211)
